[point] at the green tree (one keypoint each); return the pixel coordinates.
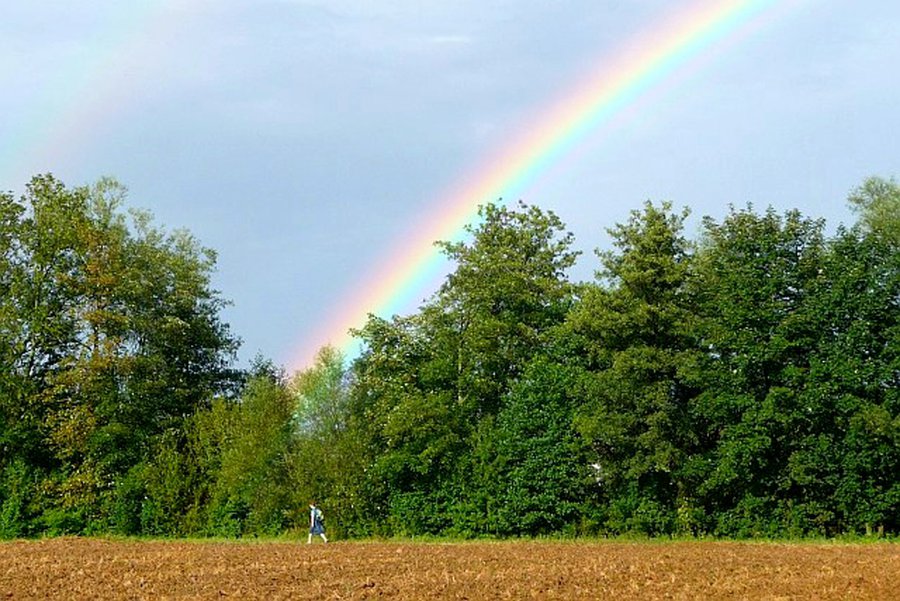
(636, 325)
(539, 474)
(327, 457)
(845, 475)
(110, 338)
(408, 427)
(252, 491)
(508, 288)
(877, 201)
(430, 385)
(755, 277)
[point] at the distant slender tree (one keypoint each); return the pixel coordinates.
(877, 201)
(252, 488)
(327, 457)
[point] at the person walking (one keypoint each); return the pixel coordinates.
(316, 523)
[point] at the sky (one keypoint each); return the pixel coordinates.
(305, 140)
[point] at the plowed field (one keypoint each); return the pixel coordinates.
(100, 569)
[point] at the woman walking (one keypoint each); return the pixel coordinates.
(316, 522)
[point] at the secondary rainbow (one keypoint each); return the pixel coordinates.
(643, 64)
(77, 102)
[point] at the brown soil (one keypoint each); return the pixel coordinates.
(100, 569)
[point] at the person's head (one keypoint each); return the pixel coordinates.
(312, 503)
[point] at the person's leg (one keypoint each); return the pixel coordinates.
(323, 537)
(309, 539)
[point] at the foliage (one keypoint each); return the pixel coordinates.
(756, 276)
(877, 201)
(541, 477)
(429, 387)
(636, 399)
(326, 457)
(744, 384)
(109, 337)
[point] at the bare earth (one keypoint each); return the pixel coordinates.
(72, 568)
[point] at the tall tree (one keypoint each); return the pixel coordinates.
(756, 275)
(111, 336)
(508, 288)
(845, 475)
(408, 426)
(636, 324)
(433, 383)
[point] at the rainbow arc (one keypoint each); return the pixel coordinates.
(643, 64)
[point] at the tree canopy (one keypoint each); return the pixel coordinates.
(744, 383)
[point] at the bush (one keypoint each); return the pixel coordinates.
(16, 491)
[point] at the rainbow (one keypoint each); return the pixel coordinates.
(642, 65)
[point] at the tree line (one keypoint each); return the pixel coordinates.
(744, 383)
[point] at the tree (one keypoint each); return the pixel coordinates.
(408, 428)
(327, 456)
(110, 338)
(253, 486)
(508, 288)
(430, 385)
(877, 201)
(846, 474)
(538, 472)
(756, 276)
(637, 331)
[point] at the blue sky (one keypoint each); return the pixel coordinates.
(300, 139)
